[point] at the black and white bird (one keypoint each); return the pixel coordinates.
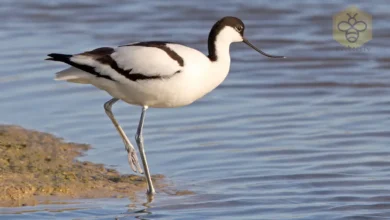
(155, 74)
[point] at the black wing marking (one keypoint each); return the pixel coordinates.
(102, 55)
(160, 45)
(65, 58)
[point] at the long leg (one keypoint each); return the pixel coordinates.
(140, 142)
(131, 154)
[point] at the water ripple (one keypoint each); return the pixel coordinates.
(301, 138)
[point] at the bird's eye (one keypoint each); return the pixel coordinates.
(239, 28)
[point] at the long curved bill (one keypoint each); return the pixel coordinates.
(258, 50)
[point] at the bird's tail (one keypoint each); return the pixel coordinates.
(72, 74)
(60, 57)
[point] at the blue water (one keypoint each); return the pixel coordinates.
(306, 137)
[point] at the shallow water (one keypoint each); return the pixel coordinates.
(302, 138)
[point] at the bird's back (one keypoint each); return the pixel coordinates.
(148, 73)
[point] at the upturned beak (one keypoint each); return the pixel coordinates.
(258, 50)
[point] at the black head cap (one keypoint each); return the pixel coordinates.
(233, 22)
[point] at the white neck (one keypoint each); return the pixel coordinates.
(219, 54)
(219, 69)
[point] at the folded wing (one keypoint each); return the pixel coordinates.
(129, 63)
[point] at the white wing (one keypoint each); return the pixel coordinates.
(139, 61)
(149, 59)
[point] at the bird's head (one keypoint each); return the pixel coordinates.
(231, 29)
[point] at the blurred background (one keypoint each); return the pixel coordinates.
(306, 137)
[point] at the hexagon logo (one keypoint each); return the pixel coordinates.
(352, 27)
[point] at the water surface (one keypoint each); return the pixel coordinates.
(306, 137)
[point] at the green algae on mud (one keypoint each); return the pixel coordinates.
(36, 165)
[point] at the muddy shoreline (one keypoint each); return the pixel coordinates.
(36, 167)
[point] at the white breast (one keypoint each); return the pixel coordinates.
(190, 84)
